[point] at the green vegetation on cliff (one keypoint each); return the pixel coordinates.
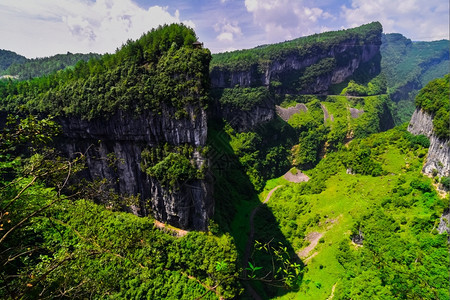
(434, 99)
(161, 69)
(171, 165)
(305, 46)
(53, 244)
(409, 66)
(241, 98)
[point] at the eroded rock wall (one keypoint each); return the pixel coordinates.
(438, 157)
(113, 149)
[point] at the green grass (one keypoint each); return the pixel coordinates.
(345, 199)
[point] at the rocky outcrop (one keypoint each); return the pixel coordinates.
(349, 54)
(113, 149)
(244, 120)
(444, 224)
(438, 157)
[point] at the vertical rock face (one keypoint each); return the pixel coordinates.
(244, 120)
(123, 137)
(438, 157)
(349, 54)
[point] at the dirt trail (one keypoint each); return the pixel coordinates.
(326, 115)
(176, 231)
(332, 292)
(251, 235)
(314, 238)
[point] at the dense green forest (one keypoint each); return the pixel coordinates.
(37, 67)
(56, 243)
(7, 58)
(362, 225)
(386, 203)
(161, 69)
(315, 44)
(409, 66)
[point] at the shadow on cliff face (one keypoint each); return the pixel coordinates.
(235, 199)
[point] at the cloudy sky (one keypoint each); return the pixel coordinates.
(37, 28)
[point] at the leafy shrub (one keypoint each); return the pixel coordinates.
(445, 181)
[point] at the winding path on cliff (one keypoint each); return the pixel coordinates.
(251, 236)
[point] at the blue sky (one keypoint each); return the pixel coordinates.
(37, 28)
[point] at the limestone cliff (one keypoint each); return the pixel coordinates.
(349, 56)
(308, 65)
(123, 137)
(438, 157)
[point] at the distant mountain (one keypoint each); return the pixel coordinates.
(8, 58)
(409, 66)
(37, 67)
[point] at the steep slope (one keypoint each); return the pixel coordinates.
(7, 58)
(246, 83)
(409, 66)
(139, 115)
(374, 221)
(304, 65)
(431, 119)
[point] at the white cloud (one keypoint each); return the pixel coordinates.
(418, 20)
(228, 31)
(42, 28)
(225, 37)
(286, 19)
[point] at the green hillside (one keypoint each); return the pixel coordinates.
(37, 67)
(370, 187)
(409, 66)
(324, 201)
(7, 58)
(394, 209)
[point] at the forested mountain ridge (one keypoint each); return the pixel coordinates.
(247, 83)
(409, 66)
(61, 206)
(143, 105)
(7, 58)
(294, 65)
(37, 67)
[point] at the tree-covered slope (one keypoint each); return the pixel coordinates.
(161, 68)
(313, 44)
(55, 242)
(37, 67)
(308, 65)
(370, 218)
(7, 58)
(409, 66)
(434, 100)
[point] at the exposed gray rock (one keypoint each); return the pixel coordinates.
(438, 157)
(258, 75)
(286, 113)
(123, 137)
(444, 224)
(243, 120)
